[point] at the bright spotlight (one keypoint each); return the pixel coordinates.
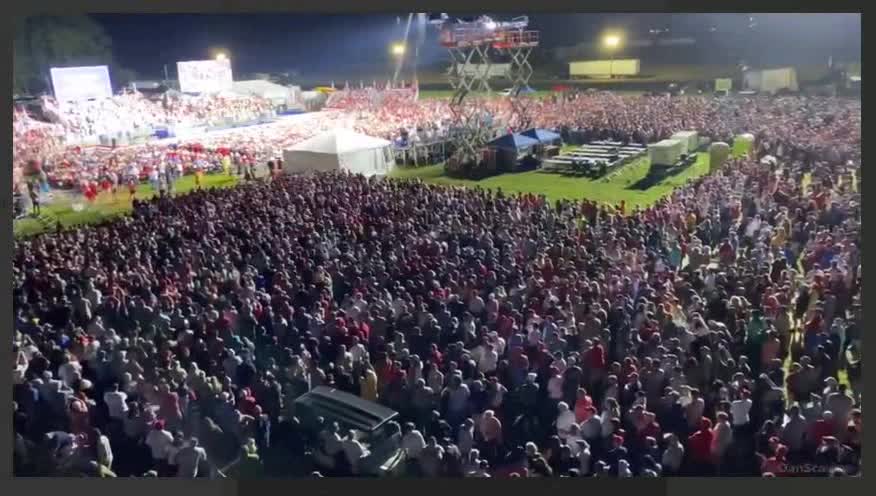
(612, 41)
(221, 57)
(398, 49)
(490, 25)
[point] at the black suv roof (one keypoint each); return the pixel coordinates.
(346, 408)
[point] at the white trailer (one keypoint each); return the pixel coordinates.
(666, 153)
(604, 68)
(772, 80)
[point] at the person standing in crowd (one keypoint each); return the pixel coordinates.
(34, 195)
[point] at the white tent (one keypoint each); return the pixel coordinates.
(277, 93)
(340, 150)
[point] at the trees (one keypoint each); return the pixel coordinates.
(41, 42)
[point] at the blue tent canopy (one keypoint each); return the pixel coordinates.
(542, 135)
(513, 142)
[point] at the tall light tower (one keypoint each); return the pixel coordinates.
(611, 42)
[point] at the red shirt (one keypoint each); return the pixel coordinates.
(596, 357)
(821, 429)
(582, 406)
(170, 406)
(504, 326)
(700, 442)
(248, 406)
(651, 430)
(364, 331)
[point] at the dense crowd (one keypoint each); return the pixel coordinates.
(793, 127)
(132, 113)
(515, 336)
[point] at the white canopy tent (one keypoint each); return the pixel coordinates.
(340, 150)
(277, 93)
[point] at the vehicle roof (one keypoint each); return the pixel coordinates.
(347, 408)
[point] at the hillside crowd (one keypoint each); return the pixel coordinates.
(58, 139)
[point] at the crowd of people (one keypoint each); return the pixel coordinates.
(515, 336)
(60, 138)
(793, 126)
(132, 111)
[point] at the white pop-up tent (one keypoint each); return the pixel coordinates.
(276, 93)
(340, 150)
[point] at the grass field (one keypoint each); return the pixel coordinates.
(106, 206)
(556, 186)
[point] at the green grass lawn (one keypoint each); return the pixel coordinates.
(557, 186)
(554, 186)
(107, 207)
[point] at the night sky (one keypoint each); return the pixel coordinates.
(319, 43)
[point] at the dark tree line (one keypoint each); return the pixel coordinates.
(43, 41)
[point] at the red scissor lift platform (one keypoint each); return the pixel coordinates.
(464, 37)
(470, 46)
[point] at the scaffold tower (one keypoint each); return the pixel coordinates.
(470, 46)
(518, 45)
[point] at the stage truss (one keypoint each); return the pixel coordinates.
(470, 52)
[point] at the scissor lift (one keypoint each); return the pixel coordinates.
(470, 51)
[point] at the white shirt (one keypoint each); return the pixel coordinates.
(68, 371)
(358, 353)
(488, 362)
(584, 462)
(354, 451)
(20, 370)
(564, 422)
(555, 388)
(105, 452)
(159, 442)
(116, 403)
(739, 411)
(413, 443)
(188, 459)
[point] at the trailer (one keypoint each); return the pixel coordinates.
(604, 68)
(666, 153)
(772, 80)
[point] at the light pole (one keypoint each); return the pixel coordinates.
(611, 42)
(398, 52)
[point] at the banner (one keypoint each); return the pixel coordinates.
(72, 84)
(723, 84)
(204, 76)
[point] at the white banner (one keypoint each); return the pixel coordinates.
(204, 76)
(72, 84)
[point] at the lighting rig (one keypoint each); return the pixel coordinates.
(471, 42)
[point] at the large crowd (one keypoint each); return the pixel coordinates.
(58, 141)
(515, 336)
(825, 126)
